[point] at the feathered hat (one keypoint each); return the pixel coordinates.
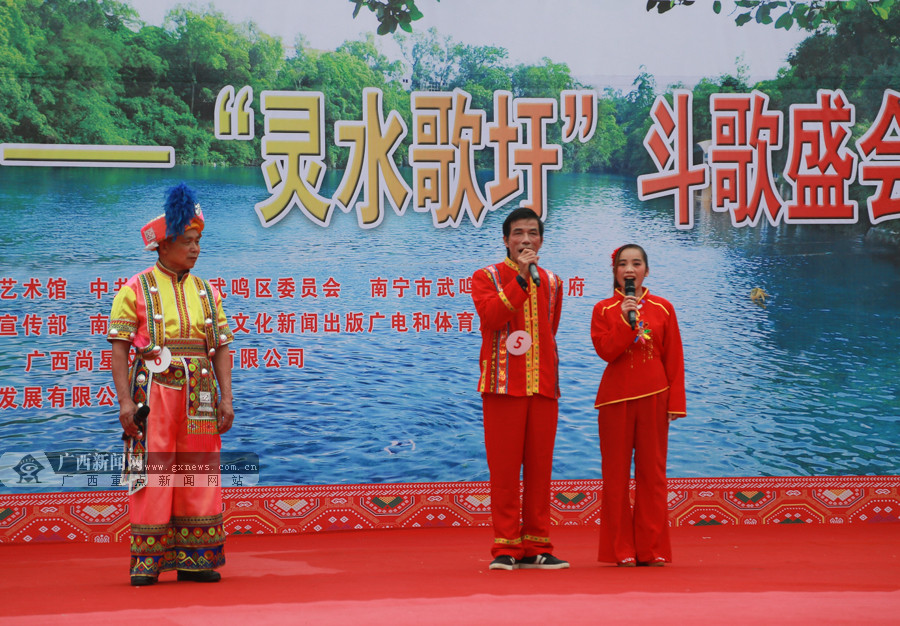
(182, 213)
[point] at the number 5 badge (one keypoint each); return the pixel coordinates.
(518, 343)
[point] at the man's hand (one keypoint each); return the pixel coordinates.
(225, 415)
(127, 409)
(526, 258)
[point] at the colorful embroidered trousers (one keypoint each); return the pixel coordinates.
(519, 434)
(175, 525)
(640, 426)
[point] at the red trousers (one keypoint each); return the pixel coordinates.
(519, 434)
(174, 526)
(640, 426)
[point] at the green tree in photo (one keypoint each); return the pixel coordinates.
(859, 55)
(341, 76)
(20, 74)
(200, 56)
(431, 60)
(76, 82)
(482, 71)
(632, 111)
(366, 50)
(541, 81)
(597, 154)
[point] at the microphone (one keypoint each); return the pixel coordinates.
(629, 291)
(534, 275)
(140, 419)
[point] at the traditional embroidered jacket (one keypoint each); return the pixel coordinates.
(504, 307)
(153, 310)
(641, 362)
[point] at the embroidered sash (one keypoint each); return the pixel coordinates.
(499, 367)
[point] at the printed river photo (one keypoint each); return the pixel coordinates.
(338, 382)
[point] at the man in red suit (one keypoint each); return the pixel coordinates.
(519, 306)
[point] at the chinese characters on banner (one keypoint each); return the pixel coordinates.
(447, 133)
(453, 314)
(879, 149)
(820, 166)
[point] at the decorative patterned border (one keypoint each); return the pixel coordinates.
(102, 516)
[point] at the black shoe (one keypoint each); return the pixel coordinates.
(142, 581)
(542, 561)
(504, 561)
(200, 576)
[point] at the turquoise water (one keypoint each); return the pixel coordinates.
(809, 385)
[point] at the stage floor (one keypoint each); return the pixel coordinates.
(779, 573)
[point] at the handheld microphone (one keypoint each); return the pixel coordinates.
(534, 275)
(629, 291)
(140, 419)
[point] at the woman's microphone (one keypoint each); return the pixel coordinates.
(629, 291)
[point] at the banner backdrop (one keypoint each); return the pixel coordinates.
(352, 186)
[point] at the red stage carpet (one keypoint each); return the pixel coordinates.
(784, 573)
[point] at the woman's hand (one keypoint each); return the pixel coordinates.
(629, 303)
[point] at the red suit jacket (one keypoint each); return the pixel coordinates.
(504, 307)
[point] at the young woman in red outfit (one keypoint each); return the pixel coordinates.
(641, 392)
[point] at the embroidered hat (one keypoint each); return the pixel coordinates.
(182, 213)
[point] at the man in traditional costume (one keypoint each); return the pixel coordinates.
(181, 372)
(519, 306)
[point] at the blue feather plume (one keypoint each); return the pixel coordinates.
(180, 201)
